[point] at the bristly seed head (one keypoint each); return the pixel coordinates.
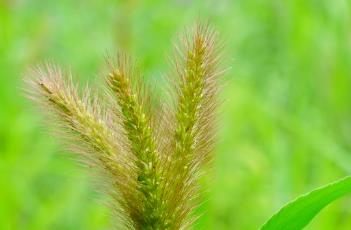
(151, 158)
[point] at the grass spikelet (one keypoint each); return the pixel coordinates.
(83, 126)
(142, 144)
(151, 157)
(77, 115)
(194, 128)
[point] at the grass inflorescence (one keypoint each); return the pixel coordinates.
(151, 158)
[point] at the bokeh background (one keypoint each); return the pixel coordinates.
(286, 119)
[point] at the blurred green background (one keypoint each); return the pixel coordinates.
(286, 119)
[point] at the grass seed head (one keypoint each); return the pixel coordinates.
(152, 166)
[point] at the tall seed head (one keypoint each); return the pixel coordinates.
(151, 166)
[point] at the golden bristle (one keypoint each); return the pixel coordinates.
(151, 156)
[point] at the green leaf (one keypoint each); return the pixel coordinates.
(298, 213)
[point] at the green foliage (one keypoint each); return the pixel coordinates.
(284, 127)
(297, 214)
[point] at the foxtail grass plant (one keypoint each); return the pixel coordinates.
(150, 157)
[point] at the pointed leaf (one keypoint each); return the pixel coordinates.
(298, 213)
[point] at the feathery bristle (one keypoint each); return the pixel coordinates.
(142, 144)
(151, 156)
(196, 67)
(84, 125)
